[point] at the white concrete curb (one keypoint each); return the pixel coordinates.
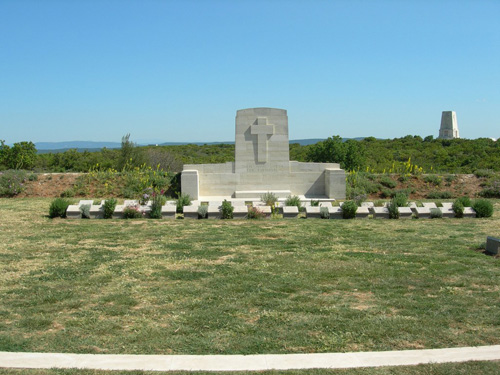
(257, 362)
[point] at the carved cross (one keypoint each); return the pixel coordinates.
(262, 129)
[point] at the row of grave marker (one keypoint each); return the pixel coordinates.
(240, 210)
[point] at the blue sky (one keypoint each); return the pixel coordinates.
(179, 70)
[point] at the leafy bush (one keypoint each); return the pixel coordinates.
(157, 203)
(483, 208)
(449, 179)
(255, 213)
(293, 200)
(203, 211)
(439, 195)
(68, 193)
(85, 211)
(492, 190)
(58, 207)
(400, 199)
(227, 210)
(458, 208)
(33, 177)
(324, 213)
(388, 182)
(269, 199)
(314, 202)
(183, 200)
(393, 209)
(484, 173)
(433, 179)
(12, 182)
(132, 212)
(466, 202)
(109, 208)
(436, 213)
(349, 209)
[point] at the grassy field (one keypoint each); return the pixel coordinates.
(243, 287)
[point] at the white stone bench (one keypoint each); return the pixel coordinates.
(447, 205)
(313, 212)
(240, 212)
(423, 212)
(469, 212)
(290, 212)
(190, 212)
(362, 213)
(325, 204)
(447, 212)
(429, 205)
(335, 212)
(367, 204)
(492, 245)
(405, 212)
(168, 211)
(213, 212)
(379, 212)
(73, 211)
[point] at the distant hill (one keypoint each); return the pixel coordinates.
(80, 146)
(76, 144)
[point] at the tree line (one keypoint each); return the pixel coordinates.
(370, 154)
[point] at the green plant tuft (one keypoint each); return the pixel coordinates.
(483, 208)
(109, 208)
(349, 209)
(458, 208)
(58, 207)
(183, 200)
(203, 211)
(85, 211)
(227, 210)
(436, 213)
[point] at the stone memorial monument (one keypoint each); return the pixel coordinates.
(262, 164)
(449, 127)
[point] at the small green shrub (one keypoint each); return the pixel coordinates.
(483, 208)
(393, 209)
(255, 213)
(85, 211)
(480, 173)
(466, 202)
(33, 177)
(388, 182)
(400, 199)
(324, 213)
(12, 182)
(183, 200)
(436, 213)
(492, 190)
(227, 210)
(314, 203)
(269, 199)
(458, 208)
(433, 179)
(293, 200)
(109, 208)
(58, 207)
(203, 211)
(158, 200)
(439, 195)
(132, 212)
(449, 179)
(68, 193)
(349, 209)
(386, 193)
